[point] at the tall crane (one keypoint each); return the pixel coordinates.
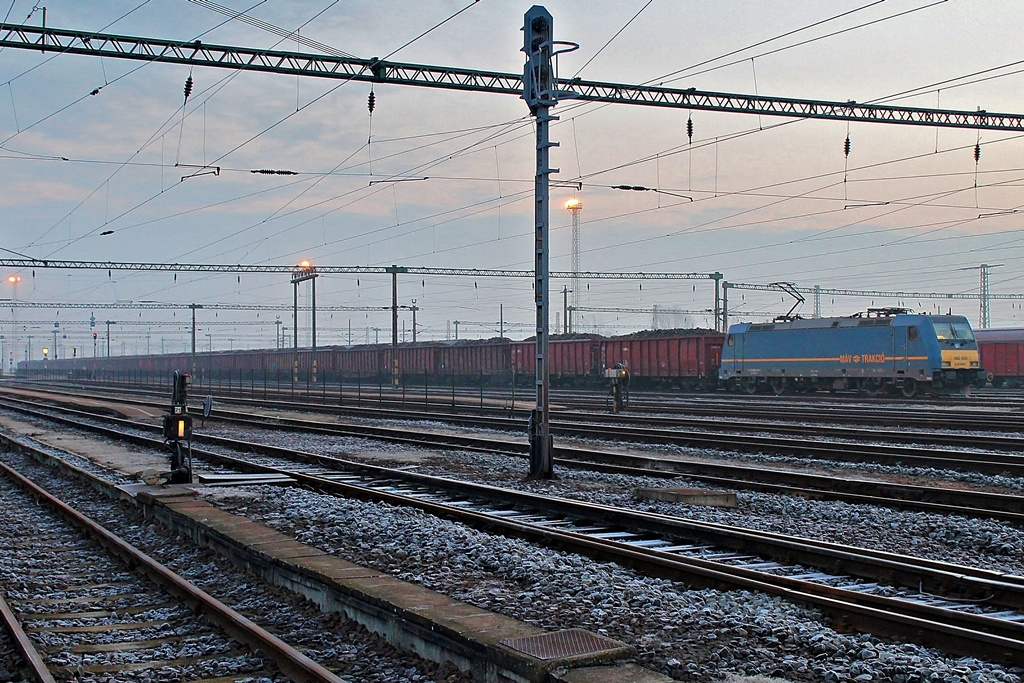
(538, 85)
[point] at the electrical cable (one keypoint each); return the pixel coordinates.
(609, 41)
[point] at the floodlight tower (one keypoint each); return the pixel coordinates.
(14, 280)
(574, 206)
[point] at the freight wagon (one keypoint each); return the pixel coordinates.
(1002, 355)
(882, 351)
(681, 359)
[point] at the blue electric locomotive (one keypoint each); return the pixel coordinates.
(883, 351)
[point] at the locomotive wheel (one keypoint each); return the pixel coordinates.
(873, 387)
(778, 385)
(909, 388)
(749, 386)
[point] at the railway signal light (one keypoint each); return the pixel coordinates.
(178, 429)
(537, 44)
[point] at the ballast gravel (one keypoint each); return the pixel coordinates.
(691, 635)
(342, 645)
(987, 543)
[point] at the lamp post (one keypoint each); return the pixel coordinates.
(277, 332)
(14, 280)
(574, 206)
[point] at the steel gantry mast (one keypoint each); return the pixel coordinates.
(19, 263)
(195, 53)
(539, 86)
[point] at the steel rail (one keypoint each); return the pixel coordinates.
(687, 414)
(1000, 639)
(718, 436)
(974, 416)
(940, 500)
(33, 660)
(290, 661)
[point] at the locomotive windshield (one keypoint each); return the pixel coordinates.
(954, 330)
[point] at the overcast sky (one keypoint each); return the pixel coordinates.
(773, 199)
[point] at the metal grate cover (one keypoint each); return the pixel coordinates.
(569, 643)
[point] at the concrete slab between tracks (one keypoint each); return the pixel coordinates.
(494, 647)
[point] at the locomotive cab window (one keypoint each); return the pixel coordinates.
(962, 331)
(729, 340)
(912, 332)
(954, 330)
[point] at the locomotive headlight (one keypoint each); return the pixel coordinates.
(975, 364)
(946, 364)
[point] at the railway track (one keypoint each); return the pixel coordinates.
(938, 499)
(947, 414)
(984, 453)
(79, 601)
(961, 609)
(625, 426)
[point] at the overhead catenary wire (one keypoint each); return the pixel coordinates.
(657, 156)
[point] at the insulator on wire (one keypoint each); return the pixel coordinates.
(272, 171)
(846, 146)
(977, 152)
(188, 87)
(689, 129)
(371, 102)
